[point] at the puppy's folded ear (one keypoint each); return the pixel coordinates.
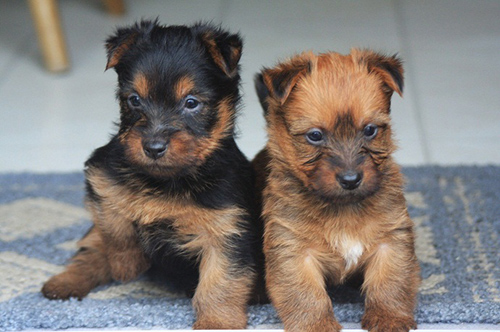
(224, 48)
(277, 83)
(119, 43)
(389, 68)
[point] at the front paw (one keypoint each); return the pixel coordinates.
(323, 325)
(379, 322)
(127, 265)
(66, 285)
(221, 323)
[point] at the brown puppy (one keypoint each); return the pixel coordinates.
(171, 190)
(333, 200)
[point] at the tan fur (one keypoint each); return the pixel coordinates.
(87, 270)
(116, 54)
(141, 85)
(114, 251)
(222, 129)
(230, 67)
(203, 230)
(310, 240)
(210, 225)
(215, 307)
(184, 151)
(183, 87)
(148, 190)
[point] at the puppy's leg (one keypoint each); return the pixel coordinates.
(296, 285)
(391, 286)
(123, 252)
(88, 269)
(223, 292)
(127, 262)
(109, 251)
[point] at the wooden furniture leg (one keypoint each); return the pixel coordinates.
(48, 26)
(115, 7)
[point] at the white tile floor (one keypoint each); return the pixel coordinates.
(450, 113)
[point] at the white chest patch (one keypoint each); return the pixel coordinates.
(351, 250)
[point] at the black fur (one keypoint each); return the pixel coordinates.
(163, 55)
(159, 242)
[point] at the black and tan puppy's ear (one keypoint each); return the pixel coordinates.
(123, 39)
(277, 82)
(224, 48)
(389, 68)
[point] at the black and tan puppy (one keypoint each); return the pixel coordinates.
(171, 188)
(333, 198)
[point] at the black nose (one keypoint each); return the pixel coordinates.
(349, 180)
(155, 149)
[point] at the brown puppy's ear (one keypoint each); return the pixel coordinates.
(119, 43)
(390, 68)
(278, 82)
(223, 47)
(262, 92)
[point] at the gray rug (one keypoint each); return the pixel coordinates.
(456, 210)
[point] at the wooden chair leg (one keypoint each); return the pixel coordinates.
(115, 7)
(48, 26)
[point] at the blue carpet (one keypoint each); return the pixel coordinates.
(456, 211)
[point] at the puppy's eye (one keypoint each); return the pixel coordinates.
(134, 101)
(370, 131)
(191, 103)
(314, 136)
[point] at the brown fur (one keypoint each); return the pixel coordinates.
(183, 87)
(118, 52)
(141, 85)
(88, 270)
(316, 232)
(226, 62)
(125, 261)
(215, 309)
(185, 151)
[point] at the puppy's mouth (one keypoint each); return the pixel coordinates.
(160, 157)
(158, 168)
(346, 190)
(163, 164)
(345, 197)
